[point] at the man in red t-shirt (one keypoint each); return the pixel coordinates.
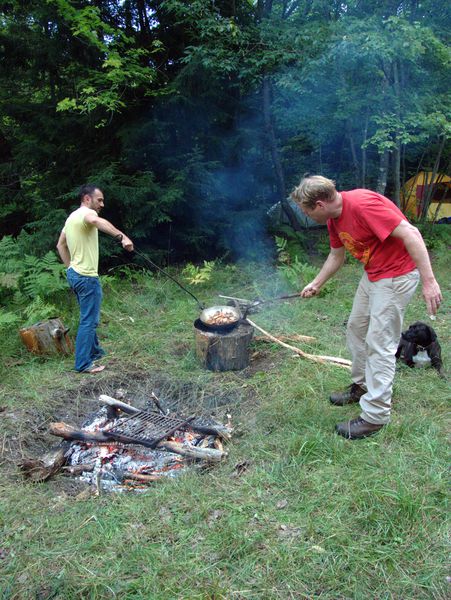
(394, 256)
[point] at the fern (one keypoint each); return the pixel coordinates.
(7, 319)
(10, 256)
(299, 274)
(43, 276)
(196, 275)
(39, 310)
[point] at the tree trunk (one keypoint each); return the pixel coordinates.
(397, 150)
(355, 160)
(365, 135)
(383, 171)
(271, 136)
(397, 173)
(428, 190)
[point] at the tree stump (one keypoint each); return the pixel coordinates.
(223, 350)
(47, 337)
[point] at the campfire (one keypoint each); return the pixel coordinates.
(125, 448)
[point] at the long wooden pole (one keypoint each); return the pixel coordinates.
(340, 362)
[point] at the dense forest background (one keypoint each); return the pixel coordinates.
(195, 117)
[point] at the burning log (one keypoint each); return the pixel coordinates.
(79, 469)
(70, 433)
(210, 454)
(340, 362)
(43, 468)
(144, 478)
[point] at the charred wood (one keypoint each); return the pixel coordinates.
(43, 468)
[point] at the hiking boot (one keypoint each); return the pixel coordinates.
(356, 429)
(352, 394)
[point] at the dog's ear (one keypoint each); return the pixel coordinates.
(432, 334)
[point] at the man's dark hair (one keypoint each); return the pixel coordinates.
(88, 188)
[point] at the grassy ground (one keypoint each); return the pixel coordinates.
(295, 511)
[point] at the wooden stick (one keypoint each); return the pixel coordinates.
(157, 403)
(297, 337)
(109, 401)
(341, 362)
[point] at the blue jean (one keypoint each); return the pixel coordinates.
(89, 296)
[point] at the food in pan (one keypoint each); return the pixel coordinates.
(221, 317)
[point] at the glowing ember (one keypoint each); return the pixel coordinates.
(120, 467)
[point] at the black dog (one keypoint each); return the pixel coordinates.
(419, 337)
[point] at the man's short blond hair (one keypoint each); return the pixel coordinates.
(313, 188)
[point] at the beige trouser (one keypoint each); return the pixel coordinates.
(373, 334)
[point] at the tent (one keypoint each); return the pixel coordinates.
(417, 188)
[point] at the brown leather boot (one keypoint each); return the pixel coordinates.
(356, 429)
(352, 394)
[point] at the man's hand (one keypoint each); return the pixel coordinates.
(310, 290)
(127, 244)
(432, 296)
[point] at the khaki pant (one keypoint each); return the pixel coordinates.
(373, 334)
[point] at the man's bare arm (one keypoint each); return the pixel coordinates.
(63, 249)
(331, 265)
(106, 227)
(415, 246)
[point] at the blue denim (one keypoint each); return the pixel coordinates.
(89, 296)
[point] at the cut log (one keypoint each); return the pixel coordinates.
(70, 433)
(223, 350)
(216, 430)
(142, 477)
(79, 469)
(47, 337)
(43, 468)
(210, 454)
(113, 402)
(340, 362)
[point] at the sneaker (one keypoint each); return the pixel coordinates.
(356, 429)
(351, 394)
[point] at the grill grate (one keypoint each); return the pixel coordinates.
(146, 428)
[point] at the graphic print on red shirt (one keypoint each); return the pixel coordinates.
(364, 227)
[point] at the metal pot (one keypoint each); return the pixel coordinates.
(210, 317)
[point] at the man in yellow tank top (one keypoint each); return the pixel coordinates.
(78, 247)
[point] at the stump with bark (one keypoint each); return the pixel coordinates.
(47, 337)
(223, 350)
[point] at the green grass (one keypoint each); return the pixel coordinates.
(312, 515)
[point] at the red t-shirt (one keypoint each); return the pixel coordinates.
(364, 229)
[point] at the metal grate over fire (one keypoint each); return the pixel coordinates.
(124, 448)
